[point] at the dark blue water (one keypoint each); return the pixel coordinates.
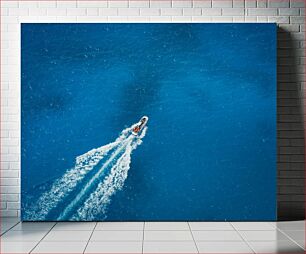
(209, 91)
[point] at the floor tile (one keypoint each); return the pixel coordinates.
(101, 236)
(23, 236)
(223, 247)
(33, 226)
(276, 247)
(168, 236)
(252, 226)
(291, 225)
(297, 235)
(7, 225)
(211, 226)
(119, 226)
(69, 236)
(169, 247)
(274, 235)
(60, 247)
(67, 226)
(166, 226)
(17, 247)
(114, 247)
(216, 236)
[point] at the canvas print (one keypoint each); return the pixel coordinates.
(134, 122)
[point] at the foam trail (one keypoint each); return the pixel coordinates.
(98, 201)
(85, 189)
(67, 183)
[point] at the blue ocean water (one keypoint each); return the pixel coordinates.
(209, 91)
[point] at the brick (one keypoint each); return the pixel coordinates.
(291, 134)
(141, 19)
(9, 173)
(9, 4)
(222, 19)
(202, 3)
(4, 11)
(289, 28)
(118, 4)
(262, 19)
(201, 19)
(211, 11)
(250, 3)
(222, 3)
(108, 11)
(9, 157)
(279, 20)
(181, 19)
(150, 12)
(128, 11)
(292, 190)
(160, 19)
(291, 150)
(291, 182)
(192, 11)
(233, 11)
(139, 3)
(76, 12)
(289, 11)
(238, 19)
(297, 20)
(47, 4)
(160, 4)
(18, 12)
(117, 19)
(13, 205)
(291, 198)
(38, 11)
(297, 3)
(262, 3)
(297, 142)
(2, 205)
(92, 11)
(278, 3)
(57, 12)
(14, 165)
(238, 3)
(262, 12)
(291, 174)
(66, 4)
(9, 197)
(9, 213)
(92, 4)
(9, 181)
(181, 3)
(290, 119)
(172, 11)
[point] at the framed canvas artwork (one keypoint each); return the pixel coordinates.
(155, 122)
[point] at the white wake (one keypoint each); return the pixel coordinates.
(99, 199)
(86, 162)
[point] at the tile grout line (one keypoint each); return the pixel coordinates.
(193, 237)
(143, 232)
(90, 237)
(42, 238)
(10, 228)
(245, 241)
(290, 238)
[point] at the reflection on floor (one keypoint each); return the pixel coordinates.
(152, 237)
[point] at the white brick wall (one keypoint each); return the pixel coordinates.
(289, 14)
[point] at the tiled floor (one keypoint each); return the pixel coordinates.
(152, 237)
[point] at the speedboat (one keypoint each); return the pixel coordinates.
(140, 125)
